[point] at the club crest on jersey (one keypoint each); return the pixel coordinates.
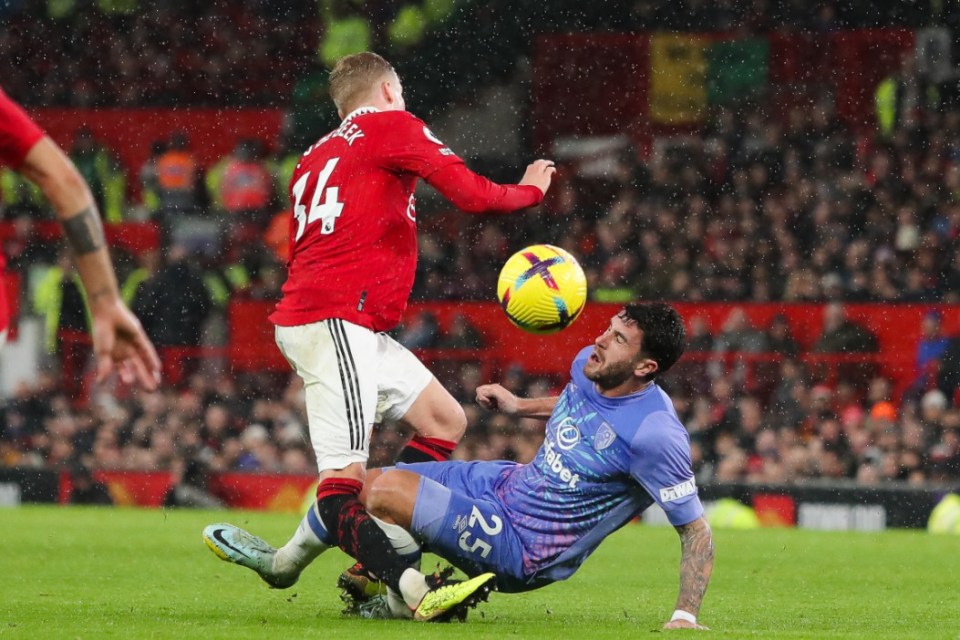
(431, 137)
(604, 438)
(444, 150)
(568, 435)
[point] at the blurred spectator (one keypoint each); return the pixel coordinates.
(277, 236)
(87, 490)
(257, 452)
(931, 348)
(897, 97)
(422, 331)
(189, 486)
(149, 186)
(24, 249)
(949, 378)
(788, 400)
(933, 408)
(738, 335)
(146, 266)
(780, 337)
(282, 162)
(615, 283)
(347, 31)
(102, 171)
(173, 304)
(267, 284)
(311, 112)
(461, 334)
(19, 196)
(699, 337)
(241, 184)
(60, 300)
(841, 335)
(176, 184)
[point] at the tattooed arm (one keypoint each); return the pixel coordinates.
(696, 565)
(118, 337)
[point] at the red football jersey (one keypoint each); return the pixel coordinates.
(353, 251)
(18, 134)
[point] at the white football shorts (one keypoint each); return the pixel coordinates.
(352, 379)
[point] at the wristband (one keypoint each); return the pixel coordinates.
(680, 614)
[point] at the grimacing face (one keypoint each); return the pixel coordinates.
(616, 353)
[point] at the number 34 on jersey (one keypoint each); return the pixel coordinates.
(325, 203)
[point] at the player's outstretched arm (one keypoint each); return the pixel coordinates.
(118, 338)
(696, 565)
(539, 174)
(471, 192)
(494, 397)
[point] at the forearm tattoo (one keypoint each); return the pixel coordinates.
(696, 564)
(84, 232)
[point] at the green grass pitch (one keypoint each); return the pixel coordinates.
(128, 573)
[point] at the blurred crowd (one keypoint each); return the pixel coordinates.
(758, 206)
(753, 209)
(253, 52)
(750, 211)
(798, 430)
(762, 408)
(157, 54)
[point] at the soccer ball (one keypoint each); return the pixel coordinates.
(542, 289)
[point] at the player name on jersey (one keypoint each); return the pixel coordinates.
(349, 131)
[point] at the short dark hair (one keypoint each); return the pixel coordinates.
(664, 337)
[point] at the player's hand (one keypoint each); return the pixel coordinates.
(120, 342)
(495, 398)
(539, 174)
(684, 624)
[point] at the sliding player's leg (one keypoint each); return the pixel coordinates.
(451, 507)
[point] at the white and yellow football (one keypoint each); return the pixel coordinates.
(542, 289)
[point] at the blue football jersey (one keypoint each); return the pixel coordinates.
(603, 461)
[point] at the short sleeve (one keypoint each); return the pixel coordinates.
(18, 133)
(411, 147)
(661, 464)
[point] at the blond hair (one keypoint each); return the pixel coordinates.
(354, 76)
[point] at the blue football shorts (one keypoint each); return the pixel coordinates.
(460, 518)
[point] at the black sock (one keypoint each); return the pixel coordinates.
(356, 533)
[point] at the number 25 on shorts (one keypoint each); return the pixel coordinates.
(491, 528)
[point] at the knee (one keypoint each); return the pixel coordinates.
(457, 424)
(392, 497)
(448, 422)
(382, 495)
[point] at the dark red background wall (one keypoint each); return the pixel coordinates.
(896, 326)
(130, 133)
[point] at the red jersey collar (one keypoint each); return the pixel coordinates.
(361, 111)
